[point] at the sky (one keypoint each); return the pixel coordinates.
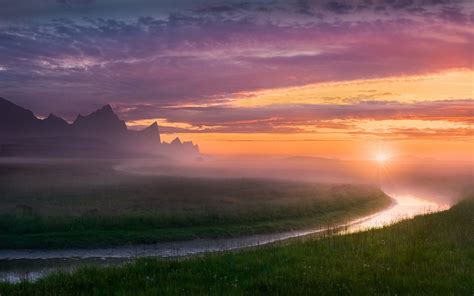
(328, 78)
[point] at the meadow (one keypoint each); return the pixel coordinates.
(431, 254)
(77, 204)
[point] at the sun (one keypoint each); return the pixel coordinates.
(381, 157)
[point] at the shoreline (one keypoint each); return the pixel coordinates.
(32, 265)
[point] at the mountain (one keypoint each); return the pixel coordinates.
(148, 137)
(176, 142)
(103, 121)
(14, 118)
(54, 124)
(99, 134)
(151, 132)
(181, 150)
(54, 121)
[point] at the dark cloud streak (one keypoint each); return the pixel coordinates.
(289, 118)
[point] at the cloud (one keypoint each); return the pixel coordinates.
(76, 2)
(418, 133)
(76, 58)
(300, 118)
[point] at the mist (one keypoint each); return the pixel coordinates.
(435, 180)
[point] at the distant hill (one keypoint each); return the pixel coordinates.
(99, 134)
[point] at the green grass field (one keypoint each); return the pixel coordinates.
(428, 255)
(75, 205)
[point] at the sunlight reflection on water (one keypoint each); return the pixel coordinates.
(404, 207)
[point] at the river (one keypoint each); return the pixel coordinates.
(18, 265)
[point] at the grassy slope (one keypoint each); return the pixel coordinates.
(64, 205)
(86, 232)
(431, 255)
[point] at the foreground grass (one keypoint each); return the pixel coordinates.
(429, 255)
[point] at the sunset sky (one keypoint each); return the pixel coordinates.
(327, 78)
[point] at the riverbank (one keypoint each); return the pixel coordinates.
(20, 264)
(70, 205)
(431, 254)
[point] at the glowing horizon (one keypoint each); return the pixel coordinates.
(296, 78)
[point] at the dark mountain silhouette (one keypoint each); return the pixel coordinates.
(176, 142)
(102, 121)
(148, 137)
(54, 124)
(177, 145)
(99, 134)
(151, 132)
(54, 121)
(14, 118)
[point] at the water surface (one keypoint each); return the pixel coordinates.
(18, 265)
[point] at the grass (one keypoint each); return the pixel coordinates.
(87, 232)
(75, 205)
(428, 255)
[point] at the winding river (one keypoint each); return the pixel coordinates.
(18, 265)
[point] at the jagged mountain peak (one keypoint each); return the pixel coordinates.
(176, 141)
(105, 111)
(53, 124)
(52, 117)
(100, 133)
(152, 127)
(53, 121)
(101, 120)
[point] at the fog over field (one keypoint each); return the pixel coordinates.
(438, 180)
(230, 147)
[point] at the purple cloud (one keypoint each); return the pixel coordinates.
(200, 52)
